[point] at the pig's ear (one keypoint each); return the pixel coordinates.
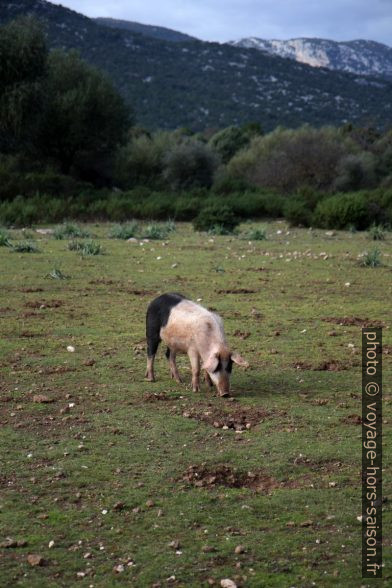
(212, 363)
(236, 357)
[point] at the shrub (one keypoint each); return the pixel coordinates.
(258, 234)
(342, 210)
(228, 141)
(68, 231)
(4, 239)
(216, 215)
(297, 212)
(25, 247)
(376, 233)
(372, 258)
(57, 274)
(86, 248)
(123, 231)
(155, 231)
(355, 172)
(190, 164)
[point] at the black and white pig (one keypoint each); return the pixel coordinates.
(187, 327)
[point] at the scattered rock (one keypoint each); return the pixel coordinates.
(150, 503)
(42, 399)
(70, 348)
(239, 549)
(89, 362)
(175, 544)
(227, 583)
(119, 568)
(35, 560)
(307, 523)
(118, 506)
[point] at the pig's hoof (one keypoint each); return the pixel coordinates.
(225, 395)
(150, 378)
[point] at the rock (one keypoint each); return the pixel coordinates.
(8, 543)
(132, 240)
(42, 399)
(71, 348)
(118, 506)
(89, 362)
(208, 549)
(174, 544)
(35, 560)
(227, 583)
(150, 503)
(307, 523)
(118, 569)
(239, 549)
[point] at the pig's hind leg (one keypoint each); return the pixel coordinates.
(171, 356)
(153, 340)
(208, 379)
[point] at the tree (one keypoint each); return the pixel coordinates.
(23, 56)
(85, 118)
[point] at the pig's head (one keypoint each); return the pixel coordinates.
(219, 366)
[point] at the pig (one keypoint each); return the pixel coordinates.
(187, 327)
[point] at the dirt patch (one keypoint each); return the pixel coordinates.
(28, 290)
(241, 334)
(31, 314)
(104, 281)
(29, 334)
(237, 419)
(352, 419)
(353, 321)
(332, 365)
(322, 465)
(237, 291)
(138, 292)
(387, 349)
(61, 369)
(204, 476)
(158, 396)
(44, 304)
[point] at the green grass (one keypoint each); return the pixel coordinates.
(377, 233)
(103, 469)
(4, 238)
(372, 258)
(86, 248)
(126, 231)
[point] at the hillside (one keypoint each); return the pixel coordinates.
(200, 85)
(358, 57)
(147, 30)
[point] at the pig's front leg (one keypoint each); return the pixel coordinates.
(173, 367)
(195, 363)
(150, 369)
(208, 379)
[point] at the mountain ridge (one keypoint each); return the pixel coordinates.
(359, 56)
(201, 85)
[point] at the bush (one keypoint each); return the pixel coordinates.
(258, 234)
(4, 239)
(69, 231)
(216, 215)
(376, 233)
(25, 247)
(372, 258)
(156, 231)
(123, 231)
(343, 210)
(297, 212)
(86, 248)
(190, 164)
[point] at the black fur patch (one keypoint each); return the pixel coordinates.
(158, 313)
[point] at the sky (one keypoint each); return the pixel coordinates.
(225, 20)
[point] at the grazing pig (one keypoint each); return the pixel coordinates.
(187, 327)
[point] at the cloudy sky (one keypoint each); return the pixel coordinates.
(223, 20)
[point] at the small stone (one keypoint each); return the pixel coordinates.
(227, 583)
(290, 524)
(150, 503)
(174, 544)
(51, 544)
(119, 569)
(70, 348)
(35, 560)
(89, 362)
(332, 484)
(118, 506)
(42, 399)
(239, 549)
(208, 549)
(307, 523)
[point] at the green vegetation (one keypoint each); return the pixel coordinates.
(69, 231)
(376, 233)
(126, 231)
(115, 481)
(86, 248)
(372, 258)
(4, 238)
(24, 247)
(218, 219)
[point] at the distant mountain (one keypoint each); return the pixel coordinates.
(147, 30)
(209, 85)
(358, 57)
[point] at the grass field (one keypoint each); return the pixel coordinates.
(114, 481)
